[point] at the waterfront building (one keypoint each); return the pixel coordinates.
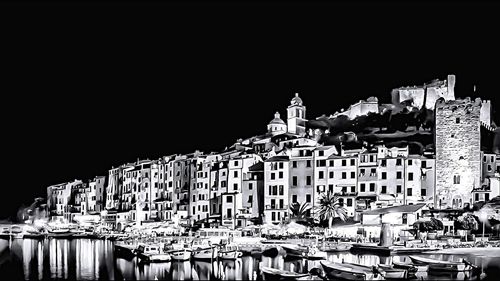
(276, 181)
(301, 175)
(342, 179)
(94, 196)
(253, 191)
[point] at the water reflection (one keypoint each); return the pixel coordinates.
(85, 259)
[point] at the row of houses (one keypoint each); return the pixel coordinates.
(259, 178)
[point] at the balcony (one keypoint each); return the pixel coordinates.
(345, 193)
(276, 207)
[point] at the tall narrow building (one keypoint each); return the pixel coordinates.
(296, 116)
(458, 155)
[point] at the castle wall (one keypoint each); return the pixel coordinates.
(457, 151)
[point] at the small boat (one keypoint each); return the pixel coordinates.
(202, 249)
(180, 254)
(278, 274)
(62, 233)
(295, 250)
(411, 267)
(152, 253)
(346, 271)
(32, 235)
(335, 247)
(230, 252)
(271, 252)
(439, 265)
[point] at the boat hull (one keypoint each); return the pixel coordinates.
(277, 274)
(346, 272)
(205, 254)
(230, 255)
(154, 258)
(437, 265)
(180, 255)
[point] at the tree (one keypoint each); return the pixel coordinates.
(466, 222)
(300, 210)
(330, 207)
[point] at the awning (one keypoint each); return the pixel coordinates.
(386, 197)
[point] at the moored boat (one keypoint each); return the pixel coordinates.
(278, 274)
(345, 271)
(180, 254)
(62, 233)
(390, 272)
(439, 265)
(295, 250)
(271, 252)
(230, 252)
(125, 251)
(411, 267)
(335, 247)
(152, 253)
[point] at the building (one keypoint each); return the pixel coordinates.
(276, 126)
(296, 116)
(361, 108)
(301, 175)
(95, 195)
(458, 155)
(276, 177)
(428, 93)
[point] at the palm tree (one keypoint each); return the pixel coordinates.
(330, 207)
(301, 213)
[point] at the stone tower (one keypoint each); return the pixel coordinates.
(296, 116)
(458, 155)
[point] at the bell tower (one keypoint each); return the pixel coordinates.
(296, 116)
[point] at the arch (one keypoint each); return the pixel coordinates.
(119, 226)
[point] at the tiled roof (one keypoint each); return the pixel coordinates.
(277, 159)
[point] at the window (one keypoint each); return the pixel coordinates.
(194, 198)
(275, 190)
(308, 163)
(280, 175)
(486, 197)
(362, 187)
(235, 186)
(282, 203)
(409, 192)
(294, 180)
(410, 176)
(384, 175)
(344, 175)
(398, 162)
(235, 174)
(383, 162)
(331, 175)
(273, 176)
(330, 163)
(229, 199)
(410, 162)
(399, 175)
(423, 191)
(294, 198)
(308, 198)
(273, 216)
(235, 163)
(489, 168)
(349, 202)
(372, 187)
(477, 196)
(294, 164)
(308, 180)
(321, 163)
(353, 175)
(457, 120)
(321, 174)
(280, 165)
(344, 162)
(330, 188)
(273, 203)
(229, 213)
(281, 190)
(423, 164)
(384, 189)
(362, 171)
(398, 188)
(321, 153)
(250, 186)
(456, 179)
(353, 162)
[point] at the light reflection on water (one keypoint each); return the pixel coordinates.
(86, 259)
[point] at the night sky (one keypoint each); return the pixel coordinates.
(85, 88)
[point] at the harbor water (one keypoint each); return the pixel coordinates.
(87, 259)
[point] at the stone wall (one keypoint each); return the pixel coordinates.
(458, 152)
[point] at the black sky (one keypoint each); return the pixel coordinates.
(85, 88)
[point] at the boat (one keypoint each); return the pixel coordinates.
(346, 271)
(271, 252)
(295, 250)
(335, 247)
(203, 250)
(278, 274)
(180, 254)
(152, 253)
(230, 252)
(32, 235)
(439, 265)
(60, 233)
(411, 267)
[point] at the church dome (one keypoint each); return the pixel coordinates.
(296, 100)
(277, 119)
